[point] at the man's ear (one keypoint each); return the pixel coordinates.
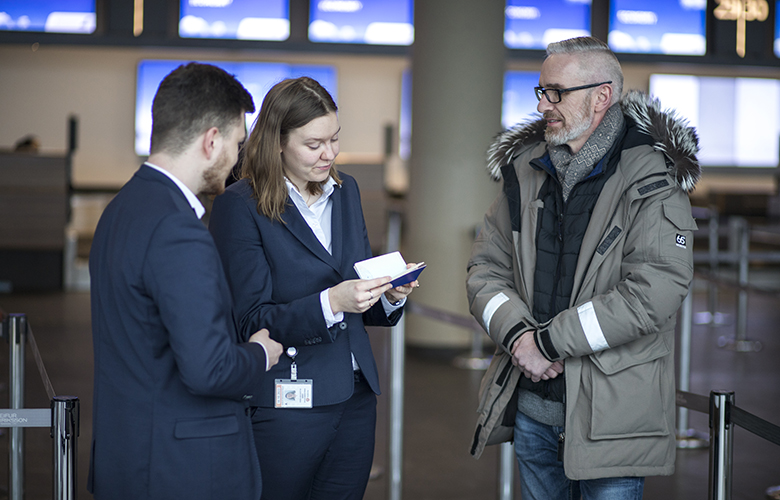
(212, 142)
(603, 98)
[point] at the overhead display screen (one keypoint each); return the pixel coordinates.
(534, 24)
(373, 22)
(235, 19)
(777, 28)
(256, 77)
(519, 103)
(676, 27)
(49, 16)
(741, 130)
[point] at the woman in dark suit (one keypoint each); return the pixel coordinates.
(289, 233)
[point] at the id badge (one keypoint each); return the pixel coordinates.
(293, 393)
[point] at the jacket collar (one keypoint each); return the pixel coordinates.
(149, 173)
(669, 134)
(297, 225)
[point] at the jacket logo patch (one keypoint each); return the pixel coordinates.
(652, 187)
(680, 241)
(611, 237)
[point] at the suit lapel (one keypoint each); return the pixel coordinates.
(337, 224)
(297, 225)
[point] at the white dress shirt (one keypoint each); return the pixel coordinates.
(318, 217)
(191, 198)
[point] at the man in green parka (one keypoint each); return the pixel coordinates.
(580, 267)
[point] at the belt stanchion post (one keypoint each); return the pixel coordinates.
(712, 316)
(475, 359)
(397, 362)
(686, 438)
(712, 288)
(17, 338)
(721, 445)
(739, 341)
(65, 432)
(744, 245)
(397, 358)
(506, 471)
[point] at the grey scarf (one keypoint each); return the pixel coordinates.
(572, 168)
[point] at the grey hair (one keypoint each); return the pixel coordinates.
(597, 60)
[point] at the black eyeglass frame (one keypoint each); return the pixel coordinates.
(541, 91)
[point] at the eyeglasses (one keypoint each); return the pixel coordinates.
(554, 95)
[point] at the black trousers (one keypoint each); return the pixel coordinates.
(322, 453)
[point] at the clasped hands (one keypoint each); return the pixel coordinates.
(527, 357)
(357, 296)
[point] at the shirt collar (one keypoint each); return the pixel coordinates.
(191, 198)
(327, 189)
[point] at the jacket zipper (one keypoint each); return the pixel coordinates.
(561, 209)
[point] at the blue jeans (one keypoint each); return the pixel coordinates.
(542, 476)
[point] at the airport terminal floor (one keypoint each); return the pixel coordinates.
(439, 403)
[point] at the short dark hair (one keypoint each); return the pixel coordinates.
(190, 100)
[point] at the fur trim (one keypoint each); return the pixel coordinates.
(511, 142)
(672, 136)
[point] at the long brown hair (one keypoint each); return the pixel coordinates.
(290, 104)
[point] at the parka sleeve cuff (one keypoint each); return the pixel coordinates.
(513, 334)
(545, 345)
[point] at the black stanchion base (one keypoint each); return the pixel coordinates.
(691, 439)
(469, 362)
(377, 471)
(732, 343)
(708, 318)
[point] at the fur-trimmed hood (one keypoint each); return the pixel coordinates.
(671, 134)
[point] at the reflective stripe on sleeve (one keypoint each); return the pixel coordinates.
(591, 327)
(491, 308)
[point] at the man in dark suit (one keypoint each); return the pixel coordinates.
(171, 382)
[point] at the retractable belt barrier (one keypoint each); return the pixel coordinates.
(724, 415)
(720, 407)
(62, 418)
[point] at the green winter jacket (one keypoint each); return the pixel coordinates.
(617, 337)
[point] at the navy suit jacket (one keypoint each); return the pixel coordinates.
(276, 272)
(171, 380)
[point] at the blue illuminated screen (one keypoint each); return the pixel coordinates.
(534, 24)
(405, 118)
(50, 16)
(519, 103)
(373, 22)
(235, 19)
(658, 26)
(741, 130)
(257, 78)
(777, 28)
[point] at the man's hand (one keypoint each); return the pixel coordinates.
(526, 356)
(273, 349)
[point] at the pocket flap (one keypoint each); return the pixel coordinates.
(680, 217)
(206, 427)
(642, 350)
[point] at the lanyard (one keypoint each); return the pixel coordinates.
(292, 352)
